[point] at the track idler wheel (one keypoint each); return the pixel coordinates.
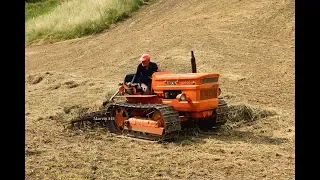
(120, 115)
(158, 117)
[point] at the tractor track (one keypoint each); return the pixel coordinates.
(106, 119)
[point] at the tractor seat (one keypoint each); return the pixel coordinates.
(128, 78)
(129, 90)
(138, 88)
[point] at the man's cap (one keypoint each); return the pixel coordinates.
(145, 57)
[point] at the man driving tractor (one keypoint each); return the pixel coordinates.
(144, 73)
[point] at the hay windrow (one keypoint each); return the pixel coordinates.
(34, 79)
(68, 113)
(242, 112)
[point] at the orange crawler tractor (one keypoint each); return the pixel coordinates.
(176, 100)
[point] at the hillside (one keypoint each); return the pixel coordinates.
(250, 43)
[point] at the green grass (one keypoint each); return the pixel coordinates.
(76, 18)
(40, 7)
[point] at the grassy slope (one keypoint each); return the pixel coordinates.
(74, 18)
(250, 43)
(38, 8)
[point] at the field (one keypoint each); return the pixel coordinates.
(250, 43)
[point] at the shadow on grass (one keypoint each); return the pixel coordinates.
(191, 137)
(238, 115)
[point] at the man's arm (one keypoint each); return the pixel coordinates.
(136, 76)
(156, 68)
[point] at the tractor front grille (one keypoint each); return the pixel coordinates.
(172, 94)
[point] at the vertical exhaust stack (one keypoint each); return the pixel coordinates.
(193, 63)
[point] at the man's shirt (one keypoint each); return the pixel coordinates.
(144, 75)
